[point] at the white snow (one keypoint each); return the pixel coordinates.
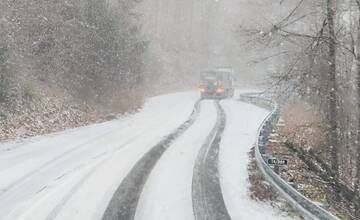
(73, 174)
(167, 193)
(243, 121)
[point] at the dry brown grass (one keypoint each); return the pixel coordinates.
(304, 125)
(259, 189)
(55, 110)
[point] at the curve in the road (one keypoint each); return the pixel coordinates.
(124, 202)
(101, 158)
(208, 202)
(55, 159)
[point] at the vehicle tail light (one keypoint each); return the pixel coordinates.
(220, 90)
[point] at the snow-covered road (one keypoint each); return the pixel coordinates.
(170, 183)
(74, 174)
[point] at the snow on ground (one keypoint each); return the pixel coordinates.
(243, 121)
(73, 174)
(167, 193)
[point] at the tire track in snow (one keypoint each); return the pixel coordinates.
(56, 159)
(101, 156)
(208, 201)
(54, 213)
(99, 159)
(124, 202)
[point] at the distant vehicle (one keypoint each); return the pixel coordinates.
(217, 83)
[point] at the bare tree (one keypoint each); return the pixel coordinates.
(357, 56)
(332, 87)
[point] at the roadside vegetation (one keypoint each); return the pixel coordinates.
(260, 190)
(67, 63)
(316, 45)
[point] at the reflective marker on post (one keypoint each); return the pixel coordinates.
(278, 162)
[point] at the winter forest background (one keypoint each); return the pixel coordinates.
(67, 63)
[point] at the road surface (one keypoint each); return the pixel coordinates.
(177, 158)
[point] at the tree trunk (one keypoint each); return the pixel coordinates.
(357, 176)
(332, 88)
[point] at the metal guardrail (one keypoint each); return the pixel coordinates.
(307, 208)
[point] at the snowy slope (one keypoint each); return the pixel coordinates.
(243, 121)
(73, 174)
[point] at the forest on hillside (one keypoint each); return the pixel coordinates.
(67, 63)
(315, 46)
(64, 63)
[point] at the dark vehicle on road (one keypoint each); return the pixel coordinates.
(217, 83)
